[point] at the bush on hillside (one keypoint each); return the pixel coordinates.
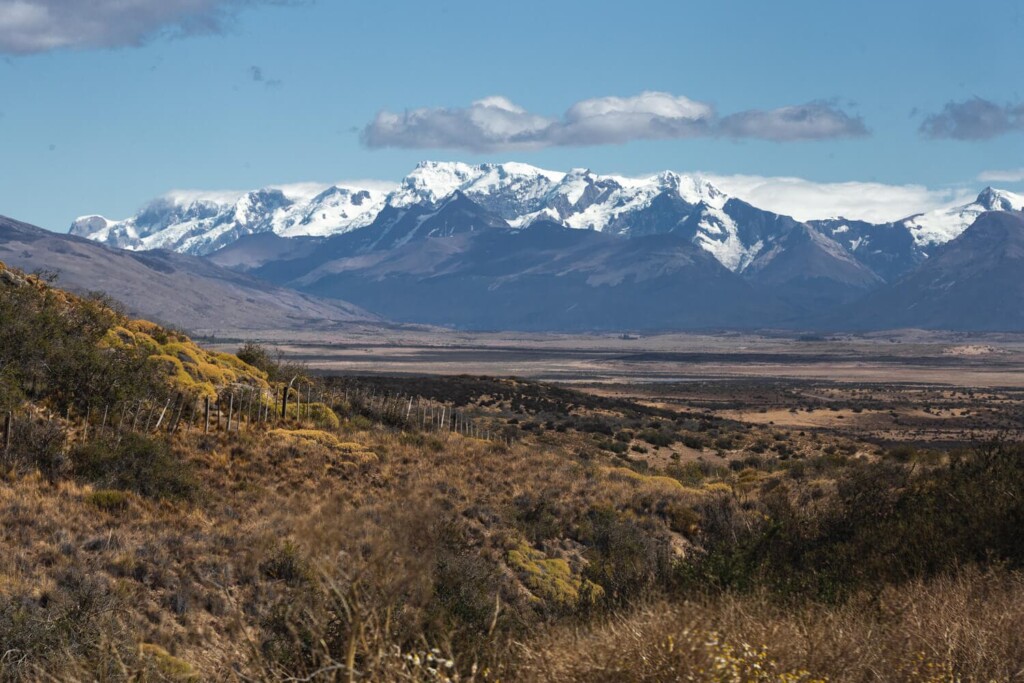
(136, 463)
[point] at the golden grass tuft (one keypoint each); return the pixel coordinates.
(168, 666)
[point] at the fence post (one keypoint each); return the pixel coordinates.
(231, 408)
(160, 421)
(207, 409)
(173, 426)
(135, 417)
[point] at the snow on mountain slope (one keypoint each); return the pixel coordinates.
(336, 209)
(509, 190)
(944, 225)
(735, 232)
(199, 223)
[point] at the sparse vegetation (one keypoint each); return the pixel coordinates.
(609, 541)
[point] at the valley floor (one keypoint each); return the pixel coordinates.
(901, 357)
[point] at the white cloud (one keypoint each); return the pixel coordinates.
(1010, 175)
(648, 116)
(495, 123)
(487, 124)
(294, 191)
(806, 200)
(812, 121)
(28, 26)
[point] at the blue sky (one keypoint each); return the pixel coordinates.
(102, 109)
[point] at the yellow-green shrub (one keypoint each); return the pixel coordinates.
(551, 579)
(318, 413)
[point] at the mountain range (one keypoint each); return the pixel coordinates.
(514, 246)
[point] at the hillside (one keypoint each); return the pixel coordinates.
(464, 529)
(972, 283)
(175, 289)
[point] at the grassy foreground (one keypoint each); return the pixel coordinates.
(355, 550)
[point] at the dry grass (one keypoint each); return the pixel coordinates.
(305, 557)
(967, 627)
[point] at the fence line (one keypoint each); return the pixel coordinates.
(247, 407)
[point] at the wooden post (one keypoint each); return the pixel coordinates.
(284, 403)
(135, 418)
(161, 420)
(206, 408)
(120, 423)
(173, 427)
(218, 413)
(243, 406)
(8, 427)
(105, 409)
(231, 408)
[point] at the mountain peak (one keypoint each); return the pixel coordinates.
(1000, 200)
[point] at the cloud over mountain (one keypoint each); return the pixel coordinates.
(496, 123)
(807, 200)
(974, 119)
(28, 26)
(1008, 175)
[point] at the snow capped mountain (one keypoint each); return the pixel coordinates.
(198, 223)
(336, 209)
(516, 195)
(943, 225)
(508, 190)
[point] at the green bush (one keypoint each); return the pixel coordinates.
(317, 413)
(657, 437)
(137, 463)
(37, 444)
(886, 523)
(270, 361)
(50, 349)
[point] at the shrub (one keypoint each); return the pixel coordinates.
(693, 441)
(657, 437)
(551, 579)
(137, 463)
(901, 453)
(108, 500)
(39, 444)
(286, 564)
(317, 413)
(626, 559)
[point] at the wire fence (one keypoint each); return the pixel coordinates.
(242, 407)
